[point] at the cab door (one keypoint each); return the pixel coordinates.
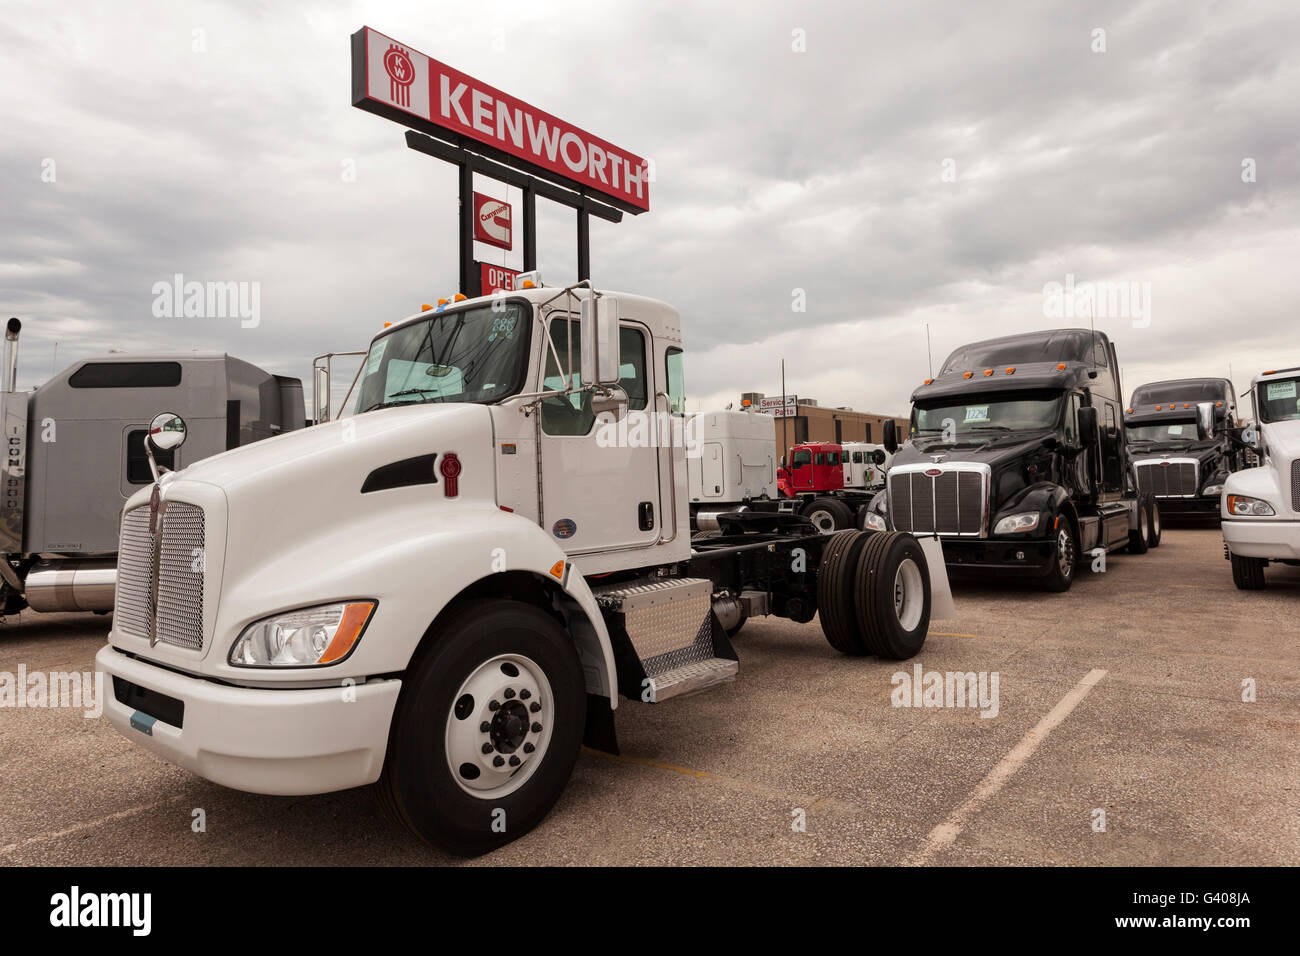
(600, 480)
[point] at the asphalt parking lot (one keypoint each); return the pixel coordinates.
(1123, 695)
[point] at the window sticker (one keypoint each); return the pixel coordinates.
(1281, 390)
(503, 327)
(376, 356)
(1175, 430)
(977, 413)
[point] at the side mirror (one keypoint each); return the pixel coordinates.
(891, 436)
(609, 398)
(167, 431)
(877, 457)
(1088, 426)
(600, 356)
(1204, 420)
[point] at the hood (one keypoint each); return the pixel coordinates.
(1001, 450)
(1282, 439)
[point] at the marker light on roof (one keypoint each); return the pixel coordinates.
(967, 374)
(443, 301)
(1186, 405)
(1011, 370)
(460, 297)
(425, 307)
(927, 381)
(988, 372)
(1061, 367)
(527, 284)
(1130, 411)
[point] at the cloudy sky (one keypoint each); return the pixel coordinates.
(895, 165)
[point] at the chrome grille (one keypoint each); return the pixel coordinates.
(951, 502)
(134, 574)
(1295, 485)
(180, 575)
(1171, 479)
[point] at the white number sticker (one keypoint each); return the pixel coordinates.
(977, 413)
(1281, 390)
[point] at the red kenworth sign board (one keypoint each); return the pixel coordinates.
(496, 278)
(492, 221)
(398, 82)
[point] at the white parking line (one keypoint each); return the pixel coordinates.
(946, 833)
(88, 825)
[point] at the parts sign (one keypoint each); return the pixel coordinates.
(398, 82)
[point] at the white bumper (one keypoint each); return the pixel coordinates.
(1262, 539)
(260, 740)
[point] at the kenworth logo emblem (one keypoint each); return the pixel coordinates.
(401, 73)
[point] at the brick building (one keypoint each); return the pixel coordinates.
(816, 423)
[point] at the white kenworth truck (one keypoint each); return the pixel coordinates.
(444, 591)
(1260, 507)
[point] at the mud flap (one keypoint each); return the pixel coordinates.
(941, 603)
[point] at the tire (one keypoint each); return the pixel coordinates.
(1248, 573)
(1066, 558)
(1139, 536)
(829, 515)
(836, 576)
(735, 628)
(1153, 534)
(893, 595)
(439, 718)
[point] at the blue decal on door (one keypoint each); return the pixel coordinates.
(564, 528)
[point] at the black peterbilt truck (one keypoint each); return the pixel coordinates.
(1181, 468)
(1017, 459)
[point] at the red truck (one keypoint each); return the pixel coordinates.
(811, 480)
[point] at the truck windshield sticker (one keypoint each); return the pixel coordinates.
(1175, 430)
(376, 356)
(503, 327)
(1278, 390)
(977, 413)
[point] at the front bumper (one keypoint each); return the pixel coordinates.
(999, 557)
(256, 739)
(1204, 506)
(1261, 538)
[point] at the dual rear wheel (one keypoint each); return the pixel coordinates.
(873, 593)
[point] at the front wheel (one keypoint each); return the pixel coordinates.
(487, 728)
(1153, 529)
(1065, 557)
(1248, 573)
(1139, 537)
(829, 515)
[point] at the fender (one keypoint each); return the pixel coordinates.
(413, 564)
(1044, 496)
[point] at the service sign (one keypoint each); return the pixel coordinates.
(497, 278)
(398, 82)
(492, 221)
(780, 407)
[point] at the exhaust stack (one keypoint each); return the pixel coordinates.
(11, 354)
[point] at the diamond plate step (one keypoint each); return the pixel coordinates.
(692, 678)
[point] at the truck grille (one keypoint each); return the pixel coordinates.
(1168, 479)
(950, 502)
(1295, 485)
(179, 615)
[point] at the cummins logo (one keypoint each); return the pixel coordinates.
(492, 221)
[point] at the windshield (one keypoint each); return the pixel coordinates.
(1164, 432)
(470, 355)
(983, 417)
(1279, 401)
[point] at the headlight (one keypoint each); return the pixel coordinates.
(1248, 506)
(1213, 490)
(308, 637)
(874, 521)
(1026, 521)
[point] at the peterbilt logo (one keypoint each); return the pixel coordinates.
(401, 73)
(933, 472)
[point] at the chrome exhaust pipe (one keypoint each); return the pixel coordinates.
(708, 520)
(11, 354)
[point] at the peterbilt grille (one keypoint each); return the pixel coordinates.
(1172, 480)
(1295, 485)
(951, 502)
(180, 575)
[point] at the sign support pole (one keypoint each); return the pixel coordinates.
(469, 277)
(584, 245)
(530, 229)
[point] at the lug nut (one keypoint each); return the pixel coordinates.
(494, 705)
(534, 707)
(537, 728)
(525, 694)
(487, 748)
(510, 692)
(514, 761)
(529, 748)
(498, 761)
(485, 726)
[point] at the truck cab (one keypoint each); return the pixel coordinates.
(1016, 458)
(447, 590)
(1184, 470)
(1260, 507)
(865, 464)
(813, 467)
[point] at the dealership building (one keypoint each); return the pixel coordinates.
(807, 421)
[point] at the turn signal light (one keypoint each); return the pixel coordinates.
(349, 629)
